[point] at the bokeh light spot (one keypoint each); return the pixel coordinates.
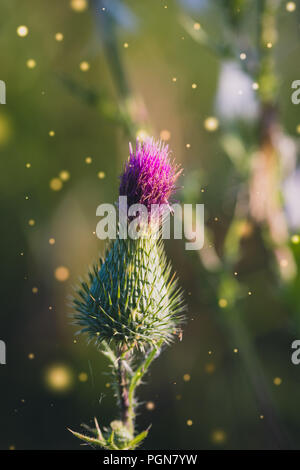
(211, 124)
(150, 405)
(59, 37)
(61, 273)
(55, 184)
(83, 377)
(64, 175)
(31, 63)
(277, 381)
(84, 66)
(22, 31)
(290, 6)
(218, 436)
(165, 135)
(59, 377)
(79, 5)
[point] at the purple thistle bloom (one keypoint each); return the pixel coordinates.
(149, 176)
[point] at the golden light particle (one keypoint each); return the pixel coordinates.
(150, 405)
(79, 5)
(61, 273)
(59, 377)
(209, 368)
(84, 66)
(223, 303)
(31, 356)
(209, 353)
(298, 129)
(125, 45)
(290, 6)
(186, 377)
(211, 124)
(284, 263)
(28, 165)
(83, 377)
(235, 273)
(194, 85)
(174, 79)
(5, 129)
(142, 134)
(35, 290)
(235, 350)
(218, 436)
(188, 146)
(31, 63)
(243, 56)
(51, 133)
(269, 45)
(107, 385)
(12, 447)
(22, 31)
(189, 422)
(64, 175)
(255, 86)
(51, 241)
(197, 26)
(31, 222)
(59, 37)
(88, 160)
(101, 175)
(55, 184)
(249, 293)
(261, 417)
(165, 135)
(277, 381)
(295, 239)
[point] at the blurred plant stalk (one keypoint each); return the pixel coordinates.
(262, 216)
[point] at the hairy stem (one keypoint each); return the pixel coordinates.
(136, 380)
(123, 393)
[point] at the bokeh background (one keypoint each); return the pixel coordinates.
(213, 79)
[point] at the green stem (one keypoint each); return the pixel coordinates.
(136, 380)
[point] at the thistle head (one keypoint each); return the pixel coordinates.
(131, 298)
(149, 176)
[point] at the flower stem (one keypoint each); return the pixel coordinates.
(136, 380)
(123, 392)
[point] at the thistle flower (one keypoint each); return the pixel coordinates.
(131, 304)
(131, 299)
(149, 176)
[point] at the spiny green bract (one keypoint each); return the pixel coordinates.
(130, 298)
